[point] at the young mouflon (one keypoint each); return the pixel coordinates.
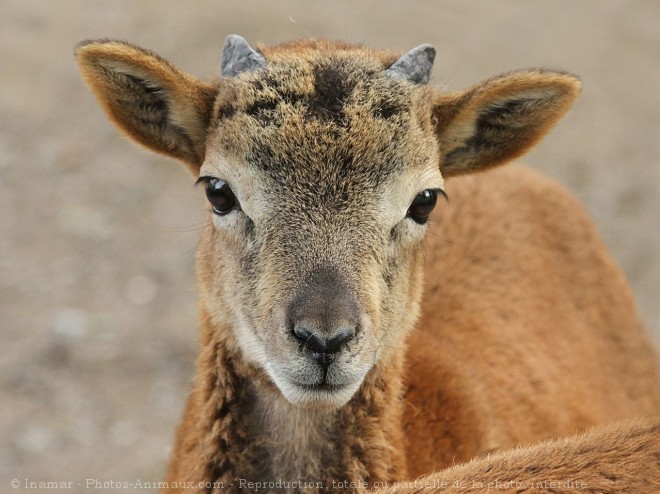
(322, 368)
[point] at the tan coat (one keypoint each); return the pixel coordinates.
(527, 329)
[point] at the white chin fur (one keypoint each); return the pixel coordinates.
(254, 350)
(310, 398)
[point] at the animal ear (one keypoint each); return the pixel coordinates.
(500, 119)
(148, 99)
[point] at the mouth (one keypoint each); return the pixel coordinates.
(321, 394)
(322, 386)
(309, 388)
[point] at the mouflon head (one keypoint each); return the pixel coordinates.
(321, 162)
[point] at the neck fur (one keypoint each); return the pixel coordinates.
(238, 428)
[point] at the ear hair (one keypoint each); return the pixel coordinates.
(149, 99)
(500, 119)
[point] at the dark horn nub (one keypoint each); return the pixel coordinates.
(238, 56)
(415, 66)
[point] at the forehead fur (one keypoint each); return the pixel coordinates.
(322, 110)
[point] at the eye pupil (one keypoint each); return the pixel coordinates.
(422, 205)
(220, 196)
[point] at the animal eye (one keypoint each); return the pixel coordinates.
(422, 205)
(220, 195)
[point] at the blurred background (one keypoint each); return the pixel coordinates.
(97, 236)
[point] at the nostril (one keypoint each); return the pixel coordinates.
(320, 345)
(339, 339)
(315, 343)
(302, 333)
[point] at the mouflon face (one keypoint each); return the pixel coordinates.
(321, 163)
(324, 155)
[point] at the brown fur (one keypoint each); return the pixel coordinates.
(528, 330)
(568, 349)
(623, 458)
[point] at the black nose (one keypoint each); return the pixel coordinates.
(324, 315)
(323, 349)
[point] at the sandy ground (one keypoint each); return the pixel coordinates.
(97, 236)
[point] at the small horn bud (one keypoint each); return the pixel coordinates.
(238, 56)
(415, 66)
